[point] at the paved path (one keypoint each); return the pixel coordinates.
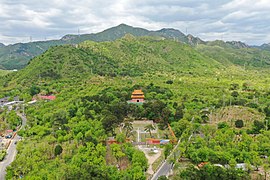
(11, 152)
(166, 166)
(164, 169)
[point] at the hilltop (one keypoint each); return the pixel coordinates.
(17, 56)
(129, 56)
(235, 53)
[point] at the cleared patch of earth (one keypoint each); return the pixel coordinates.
(230, 114)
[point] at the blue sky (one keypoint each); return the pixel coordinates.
(241, 20)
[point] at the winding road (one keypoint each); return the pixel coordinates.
(11, 151)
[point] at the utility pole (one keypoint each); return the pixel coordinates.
(79, 32)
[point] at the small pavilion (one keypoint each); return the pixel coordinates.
(137, 96)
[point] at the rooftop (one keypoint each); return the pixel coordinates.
(137, 92)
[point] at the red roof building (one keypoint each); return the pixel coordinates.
(47, 97)
(50, 98)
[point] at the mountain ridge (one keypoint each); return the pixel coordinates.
(128, 56)
(18, 55)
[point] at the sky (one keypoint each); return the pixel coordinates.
(32, 20)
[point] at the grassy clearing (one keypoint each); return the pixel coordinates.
(232, 113)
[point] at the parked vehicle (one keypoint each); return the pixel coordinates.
(8, 136)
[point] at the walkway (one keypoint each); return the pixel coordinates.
(11, 151)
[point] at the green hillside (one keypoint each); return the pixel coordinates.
(4, 72)
(128, 56)
(219, 110)
(17, 56)
(237, 54)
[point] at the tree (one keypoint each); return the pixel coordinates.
(165, 115)
(110, 122)
(168, 148)
(138, 158)
(117, 153)
(222, 125)
(79, 136)
(232, 163)
(239, 123)
(245, 86)
(128, 128)
(153, 109)
(180, 126)
(212, 172)
(121, 138)
(267, 110)
(34, 90)
(60, 118)
(137, 172)
(179, 112)
(13, 119)
(234, 94)
(58, 150)
(169, 82)
(257, 161)
(149, 128)
(234, 86)
(257, 126)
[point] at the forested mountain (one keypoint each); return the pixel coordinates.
(128, 56)
(16, 56)
(235, 53)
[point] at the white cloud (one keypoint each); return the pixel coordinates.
(244, 20)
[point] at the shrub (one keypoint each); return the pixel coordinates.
(169, 82)
(58, 150)
(222, 125)
(2, 155)
(239, 123)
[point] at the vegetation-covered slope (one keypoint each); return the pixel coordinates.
(4, 72)
(65, 138)
(17, 56)
(128, 56)
(230, 53)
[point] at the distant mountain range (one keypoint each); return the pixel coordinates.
(17, 56)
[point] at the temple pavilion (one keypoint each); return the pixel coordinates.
(137, 96)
